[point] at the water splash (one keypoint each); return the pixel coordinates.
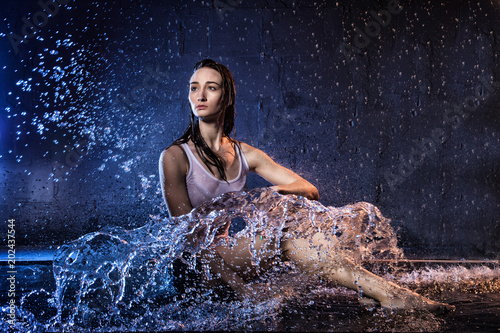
(128, 279)
(149, 278)
(434, 280)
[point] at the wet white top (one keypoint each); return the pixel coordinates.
(203, 186)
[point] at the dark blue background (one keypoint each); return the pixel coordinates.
(88, 103)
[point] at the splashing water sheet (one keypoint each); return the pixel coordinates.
(148, 278)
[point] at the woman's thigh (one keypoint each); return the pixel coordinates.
(319, 249)
(240, 258)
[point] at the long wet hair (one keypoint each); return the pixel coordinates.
(227, 100)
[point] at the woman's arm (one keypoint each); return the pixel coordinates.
(285, 181)
(173, 167)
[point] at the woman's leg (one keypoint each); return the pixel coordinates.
(220, 270)
(236, 265)
(317, 257)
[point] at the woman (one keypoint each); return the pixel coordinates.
(205, 163)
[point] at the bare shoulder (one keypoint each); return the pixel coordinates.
(246, 148)
(174, 156)
(254, 155)
(173, 151)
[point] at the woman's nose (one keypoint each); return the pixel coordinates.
(201, 96)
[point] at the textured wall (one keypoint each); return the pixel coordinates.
(395, 104)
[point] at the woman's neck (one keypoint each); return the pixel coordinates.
(212, 133)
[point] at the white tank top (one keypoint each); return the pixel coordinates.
(202, 185)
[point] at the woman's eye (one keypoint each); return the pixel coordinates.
(212, 88)
(192, 88)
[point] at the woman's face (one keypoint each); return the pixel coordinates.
(205, 92)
